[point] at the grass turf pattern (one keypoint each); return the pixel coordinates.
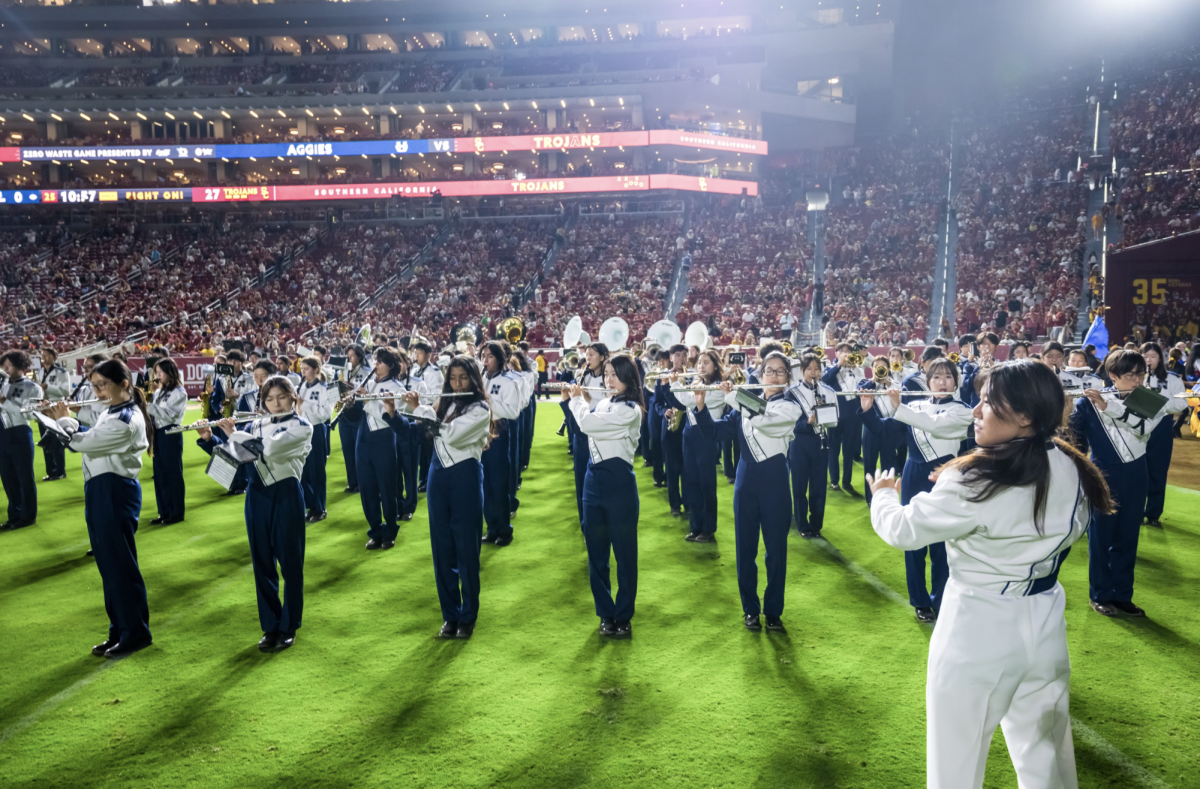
(368, 697)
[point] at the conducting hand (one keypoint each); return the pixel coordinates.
(886, 480)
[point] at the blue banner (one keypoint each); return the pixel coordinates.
(20, 196)
(150, 150)
(1098, 336)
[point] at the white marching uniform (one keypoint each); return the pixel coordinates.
(18, 394)
(937, 428)
(1081, 379)
(286, 443)
(242, 383)
(112, 445)
(56, 383)
(504, 390)
(87, 415)
(1174, 385)
(294, 377)
(611, 427)
(357, 376)
(167, 407)
(998, 656)
(373, 410)
(590, 379)
(461, 436)
(430, 375)
(316, 401)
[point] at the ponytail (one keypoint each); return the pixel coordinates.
(139, 399)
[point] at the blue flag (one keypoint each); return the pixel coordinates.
(1098, 336)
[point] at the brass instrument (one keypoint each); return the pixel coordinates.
(910, 355)
(676, 422)
(43, 405)
(954, 357)
(881, 372)
(571, 360)
(855, 359)
(897, 367)
(204, 423)
(206, 398)
(787, 348)
(231, 398)
(511, 329)
(737, 377)
(465, 337)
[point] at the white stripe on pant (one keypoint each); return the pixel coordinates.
(997, 660)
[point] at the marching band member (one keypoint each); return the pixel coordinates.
(896, 355)
(662, 361)
(1162, 440)
(408, 445)
(1078, 375)
(1117, 439)
(529, 373)
(919, 381)
(316, 407)
(425, 370)
(700, 453)
(505, 399)
(1019, 350)
(242, 380)
(808, 454)
(275, 508)
(1008, 515)
(883, 442)
(518, 370)
(375, 454)
(455, 491)
(845, 439)
(592, 376)
(767, 348)
(56, 385)
(672, 439)
(356, 376)
(610, 427)
(166, 410)
(1053, 355)
(284, 364)
(16, 441)
(761, 502)
(112, 458)
(936, 427)
(730, 449)
(87, 415)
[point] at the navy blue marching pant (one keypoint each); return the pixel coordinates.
(349, 434)
(808, 462)
(880, 453)
(761, 504)
(1158, 459)
(656, 444)
(580, 457)
(55, 455)
(168, 474)
(1113, 539)
(426, 447)
(375, 454)
(730, 454)
(643, 447)
(496, 503)
(312, 478)
(700, 471)
(408, 447)
(530, 415)
(610, 518)
(275, 526)
(111, 507)
(914, 480)
(672, 451)
(844, 440)
(16, 474)
(454, 497)
(516, 429)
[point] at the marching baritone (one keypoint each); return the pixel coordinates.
(1162, 440)
(1008, 514)
(356, 376)
(699, 452)
(275, 507)
(112, 459)
(610, 496)
(56, 385)
(761, 500)
(936, 428)
(808, 454)
(454, 495)
(315, 406)
(504, 396)
(166, 410)
(16, 441)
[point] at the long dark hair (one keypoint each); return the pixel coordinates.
(389, 357)
(601, 349)
(115, 370)
(1028, 389)
(172, 370)
(478, 393)
(359, 353)
(277, 382)
(718, 374)
(496, 349)
(1190, 365)
(627, 373)
(1160, 371)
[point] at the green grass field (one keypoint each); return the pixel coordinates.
(368, 697)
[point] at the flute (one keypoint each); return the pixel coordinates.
(715, 387)
(42, 406)
(204, 423)
(560, 385)
(401, 395)
(883, 393)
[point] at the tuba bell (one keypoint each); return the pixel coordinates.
(571, 360)
(512, 329)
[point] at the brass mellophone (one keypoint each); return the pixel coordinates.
(204, 423)
(43, 405)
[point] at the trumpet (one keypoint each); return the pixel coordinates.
(42, 406)
(204, 423)
(954, 357)
(855, 359)
(737, 377)
(881, 370)
(897, 367)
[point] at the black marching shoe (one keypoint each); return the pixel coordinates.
(100, 649)
(752, 622)
(448, 630)
(388, 545)
(406, 516)
(157, 521)
(350, 489)
(774, 623)
(810, 535)
(503, 540)
(560, 431)
(49, 478)
(91, 552)
(691, 536)
(731, 480)
(489, 537)
(316, 517)
(926, 615)
(675, 513)
(624, 629)
(121, 649)
(1104, 609)
(607, 626)
(268, 642)
(285, 641)
(374, 544)
(834, 486)
(1128, 609)
(850, 489)
(1155, 522)
(705, 537)
(236, 492)
(660, 484)
(421, 488)
(465, 629)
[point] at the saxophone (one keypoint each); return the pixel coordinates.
(230, 401)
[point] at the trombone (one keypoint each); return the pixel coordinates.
(45, 404)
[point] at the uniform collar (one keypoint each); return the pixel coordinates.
(114, 409)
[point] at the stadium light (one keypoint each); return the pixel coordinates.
(113, 115)
(255, 114)
(55, 116)
(169, 115)
(198, 115)
(85, 116)
(226, 114)
(143, 117)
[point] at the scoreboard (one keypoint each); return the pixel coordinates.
(1160, 278)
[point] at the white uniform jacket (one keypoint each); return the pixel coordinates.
(87, 414)
(114, 445)
(1080, 380)
(242, 383)
(55, 383)
(612, 427)
(589, 379)
(430, 375)
(504, 390)
(463, 433)
(316, 401)
(18, 394)
(166, 409)
(374, 409)
(991, 545)
(769, 433)
(938, 425)
(1169, 388)
(286, 440)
